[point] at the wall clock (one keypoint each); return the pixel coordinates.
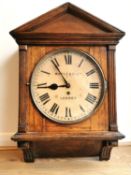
(67, 103)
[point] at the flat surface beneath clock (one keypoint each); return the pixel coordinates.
(120, 163)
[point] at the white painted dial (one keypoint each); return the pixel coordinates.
(67, 85)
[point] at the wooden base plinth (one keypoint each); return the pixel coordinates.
(36, 145)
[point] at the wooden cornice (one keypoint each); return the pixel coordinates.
(87, 29)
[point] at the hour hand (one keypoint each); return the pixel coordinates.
(53, 86)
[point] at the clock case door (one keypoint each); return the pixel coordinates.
(66, 27)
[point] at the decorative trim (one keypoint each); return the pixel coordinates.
(13, 147)
(105, 150)
(26, 34)
(27, 151)
(66, 8)
(96, 135)
(68, 39)
(22, 83)
(22, 47)
(112, 88)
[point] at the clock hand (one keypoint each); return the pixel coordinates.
(53, 86)
(67, 84)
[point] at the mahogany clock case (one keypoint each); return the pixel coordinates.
(67, 27)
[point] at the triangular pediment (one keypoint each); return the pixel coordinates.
(67, 23)
(66, 19)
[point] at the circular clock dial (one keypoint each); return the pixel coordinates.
(67, 85)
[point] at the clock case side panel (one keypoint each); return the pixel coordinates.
(22, 122)
(112, 88)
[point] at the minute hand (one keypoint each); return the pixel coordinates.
(67, 84)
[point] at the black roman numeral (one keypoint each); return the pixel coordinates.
(68, 59)
(92, 71)
(82, 109)
(55, 62)
(68, 112)
(45, 72)
(90, 98)
(94, 85)
(45, 98)
(54, 108)
(80, 63)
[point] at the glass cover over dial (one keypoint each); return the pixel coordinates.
(67, 85)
